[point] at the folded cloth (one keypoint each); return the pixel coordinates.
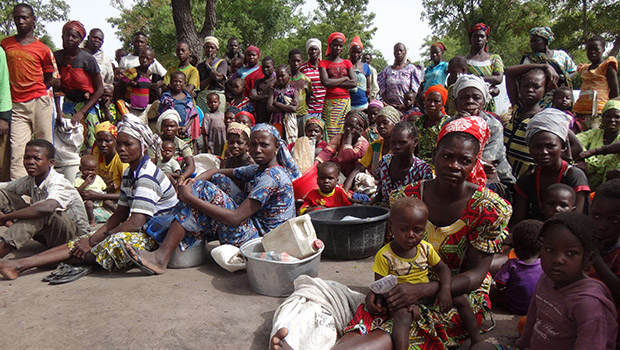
(315, 313)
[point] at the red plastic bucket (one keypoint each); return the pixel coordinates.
(306, 183)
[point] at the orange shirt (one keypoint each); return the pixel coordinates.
(595, 79)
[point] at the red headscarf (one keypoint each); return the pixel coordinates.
(332, 37)
(75, 25)
(485, 28)
(442, 91)
(356, 42)
(247, 114)
(254, 49)
(440, 45)
(478, 128)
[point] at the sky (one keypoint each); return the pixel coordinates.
(396, 21)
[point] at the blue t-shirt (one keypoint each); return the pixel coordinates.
(358, 94)
(436, 75)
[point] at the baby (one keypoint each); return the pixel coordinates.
(329, 194)
(167, 164)
(558, 198)
(96, 187)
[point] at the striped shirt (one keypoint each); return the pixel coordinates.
(517, 150)
(315, 105)
(147, 190)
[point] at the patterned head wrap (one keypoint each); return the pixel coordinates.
(544, 32)
(442, 91)
(316, 121)
(254, 49)
(332, 37)
(283, 156)
(213, 40)
(480, 26)
(238, 128)
(611, 104)
(316, 43)
(107, 127)
(479, 129)
(169, 114)
(551, 120)
(247, 114)
(360, 116)
(75, 25)
(465, 81)
(357, 41)
(376, 103)
(391, 113)
(440, 45)
(135, 128)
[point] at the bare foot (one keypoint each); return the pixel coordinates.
(9, 269)
(149, 260)
(277, 341)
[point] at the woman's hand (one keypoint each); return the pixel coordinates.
(405, 294)
(185, 189)
(77, 117)
(585, 154)
(375, 304)
(82, 247)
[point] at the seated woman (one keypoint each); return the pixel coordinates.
(429, 124)
(547, 136)
(387, 117)
(145, 194)
(109, 164)
(306, 148)
(168, 126)
(400, 167)
(214, 208)
(601, 161)
(465, 219)
(347, 148)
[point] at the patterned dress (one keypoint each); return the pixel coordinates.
(427, 138)
(598, 165)
(484, 69)
(419, 170)
(482, 225)
(395, 82)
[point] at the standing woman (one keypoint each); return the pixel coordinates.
(252, 70)
(397, 79)
(80, 81)
(359, 95)
(311, 70)
(338, 76)
(437, 72)
(212, 75)
(480, 62)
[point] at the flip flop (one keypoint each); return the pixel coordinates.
(74, 273)
(137, 262)
(60, 270)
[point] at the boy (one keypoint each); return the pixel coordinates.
(329, 194)
(180, 100)
(303, 85)
(96, 210)
(213, 128)
(236, 98)
(558, 198)
(56, 214)
(184, 54)
(408, 103)
(262, 90)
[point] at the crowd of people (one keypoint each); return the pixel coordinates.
(109, 152)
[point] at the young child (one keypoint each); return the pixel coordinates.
(167, 163)
(557, 198)
(283, 104)
(184, 54)
(563, 100)
(457, 66)
(234, 94)
(600, 76)
(96, 210)
(516, 279)
(107, 108)
(235, 64)
(409, 257)
(134, 86)
(409, 102)
(238, 136)
(262, 90)
(229, 115)
(569, 310)
(303, 85)
(371, 134)
(213, 128)
(180, 100)
(605, 215)
(329, 194)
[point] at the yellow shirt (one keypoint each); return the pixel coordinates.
(413, 270)
(373, 152)
(191, 73)
(113, 171)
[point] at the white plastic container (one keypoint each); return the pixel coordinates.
(296, 237)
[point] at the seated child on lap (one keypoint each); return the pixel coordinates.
(167, 163)
(90, 181)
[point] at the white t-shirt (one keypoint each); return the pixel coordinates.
(132, 60)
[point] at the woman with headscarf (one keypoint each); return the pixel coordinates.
(547, 137)
(346, 148)
(168, 126)
(145, 195)
(429, 124)
(399, 78)
(338, 76)
(359, 95)
(80, 81)
(109, 165)
(212, 75)
(560, 61)
(212, 207)
(437, 72)
(252, 70)
(310, 69)
(480, 62)
(465, 220)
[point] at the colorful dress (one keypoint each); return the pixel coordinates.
(595, 79)
(337, 100)
(561, 63)
(598, 165)
(419, 170)
(487, 68)
(482, 226)
(272, 187)
(315, 105)
(186, 109)
(427, 138)
(517, 149)
(394, 83)
(345, 156)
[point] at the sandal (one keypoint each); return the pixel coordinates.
(60, 270)
(138, 261)
(74, 273)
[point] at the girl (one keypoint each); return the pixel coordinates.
(282, 104)
(134, 86)
(437, 72)
(569, 310)
(546, 136)
(252, 70)
(480, 62)
(359, 95)
(238, 136)
(109, 165)
(371, 133)
(337, 76)
(347, 148)
(180, 100)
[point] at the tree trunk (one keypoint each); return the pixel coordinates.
(584, 24)
(184, 24)
(616, 48)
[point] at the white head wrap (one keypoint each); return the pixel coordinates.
(465, 81)
(169, 114)
(212, 39)
(551, 120)
(135, 128)
(314, 42)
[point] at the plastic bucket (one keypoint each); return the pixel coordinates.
(275, 278)
(305, 183)
(194, 256)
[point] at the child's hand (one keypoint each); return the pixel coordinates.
(375, 304)
(90, 179)
(444, 300)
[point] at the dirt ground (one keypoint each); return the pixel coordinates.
(204, 307)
